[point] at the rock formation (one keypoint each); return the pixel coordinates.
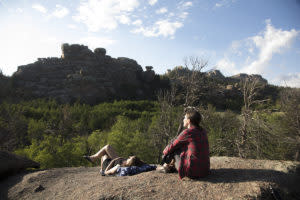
(257, 77)
(230, 178)
(87, 76)
(11, 163)
(216, 74)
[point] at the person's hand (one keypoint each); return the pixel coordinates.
(165, 150)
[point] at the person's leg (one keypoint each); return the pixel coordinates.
(177, 161)
(106, 150)
(103, 158)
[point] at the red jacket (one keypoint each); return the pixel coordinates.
(194, 156)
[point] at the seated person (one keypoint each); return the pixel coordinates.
(110, 161)
(190, 150)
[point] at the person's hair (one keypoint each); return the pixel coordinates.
(194, 117)
(135, 161)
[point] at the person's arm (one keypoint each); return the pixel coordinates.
(181, 140)
(111, 164)
(112, 170)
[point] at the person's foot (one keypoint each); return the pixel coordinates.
(161, 169)
(88, 158)
(169, 168)
(102, 172)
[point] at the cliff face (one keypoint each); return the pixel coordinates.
(90, 77)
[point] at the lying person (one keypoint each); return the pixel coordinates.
(111, 163)
(190, 150)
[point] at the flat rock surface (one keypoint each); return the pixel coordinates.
(230, 178)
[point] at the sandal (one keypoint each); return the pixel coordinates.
(88, 159)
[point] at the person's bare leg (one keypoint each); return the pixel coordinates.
(106, 150)
(102, 160)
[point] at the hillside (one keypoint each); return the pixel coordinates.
(231, 178)
(92, 77)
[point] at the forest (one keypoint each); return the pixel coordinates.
(254, 126)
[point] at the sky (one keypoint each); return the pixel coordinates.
(234, 36)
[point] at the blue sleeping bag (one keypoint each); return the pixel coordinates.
(128, 171)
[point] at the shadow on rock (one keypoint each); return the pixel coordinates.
(285, 184)
(8, 182)
(228, 175)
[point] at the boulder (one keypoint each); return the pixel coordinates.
(76, 51)
(215, 74)
(149, 68)
(129, 63)
(229, 87)
(11, 163)
(100, 51)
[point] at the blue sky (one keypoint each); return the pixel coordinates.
(235, 36)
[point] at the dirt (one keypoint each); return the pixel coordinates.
(230, 178)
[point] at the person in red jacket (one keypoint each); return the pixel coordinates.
(191, 148)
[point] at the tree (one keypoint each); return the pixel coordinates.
(191, 80)
(185, 84)
(290, 104)
(252, 128)
(164, 125)
(128, 138)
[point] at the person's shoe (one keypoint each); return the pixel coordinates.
(161, 169)
(88, 158)
(169, 168)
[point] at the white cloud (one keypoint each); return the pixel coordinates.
(60, 11)
(39, 8)
(160, 28)
(227, 66)
(167, 27)
(171, 14)
(137, 22)
(185, 5)
(161, 10)
(95, 42)
(29, 44)
(124, 19)
(72, 26)
(182, 7)
(268, 43)
(257, 51)
(105, 14)
(236, 48)
(188, 4)
(152, 2)
(219, 5)
(223, 3)
(19, 10)
(291, 80)
(183, 15)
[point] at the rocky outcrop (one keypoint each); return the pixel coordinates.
(87, 76)
(11, 163)
(4, 87)
(216, 74)
(242, 76)
(230, 178)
